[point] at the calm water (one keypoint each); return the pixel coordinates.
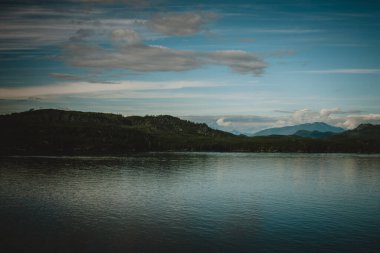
(191, 202)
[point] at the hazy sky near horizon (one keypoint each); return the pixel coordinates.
(236, 65)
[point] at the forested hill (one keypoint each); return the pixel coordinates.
(147, 124)
(58, 132)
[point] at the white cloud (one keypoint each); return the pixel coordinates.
(346, 119)
(251, 124)
(302, 116)
(355, 120)
(235, 123)
(181, 24)
(223, 123)
(93, 87)
(126, 36)
(325, 113)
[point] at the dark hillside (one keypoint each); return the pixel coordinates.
(58, 132)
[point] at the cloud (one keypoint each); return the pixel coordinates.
(34, 27)
(140, 58)
(126, 36)
(249, 124)
(86, 45)
(302, 116)
(179, 24)
(246, 124)
(239, 61)
(81, 34)
(346, 119)
(68, 77)
(342, 71)
(223, 123)
(82, 87)
(325, 113)
(30, 26)
(355, 120)
(282, 111)
(90, 78)
(131, 54)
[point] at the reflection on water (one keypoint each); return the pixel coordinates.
(191, 202)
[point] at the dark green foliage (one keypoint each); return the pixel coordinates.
(57, 132)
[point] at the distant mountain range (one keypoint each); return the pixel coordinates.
(58, 132)
(291, 130)
(313, 134)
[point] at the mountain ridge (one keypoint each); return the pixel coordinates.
(313, 134)
(290, 130)
(58, 132)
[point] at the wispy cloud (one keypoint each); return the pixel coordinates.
(126, 36)
(238, 60)
(35, 27)
(135, 56)
(141, 58)
(69, 77)
(92, 87)
(181, 24)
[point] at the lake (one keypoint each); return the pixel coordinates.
(191, 202)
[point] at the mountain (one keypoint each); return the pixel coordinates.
(57, 132)
(290, 130)
(313, 134)
(364, 132)
(364, 138)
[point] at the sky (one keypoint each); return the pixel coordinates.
(238, 66)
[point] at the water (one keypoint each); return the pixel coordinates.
(191, 202)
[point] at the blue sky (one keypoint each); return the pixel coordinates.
(236, 65)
